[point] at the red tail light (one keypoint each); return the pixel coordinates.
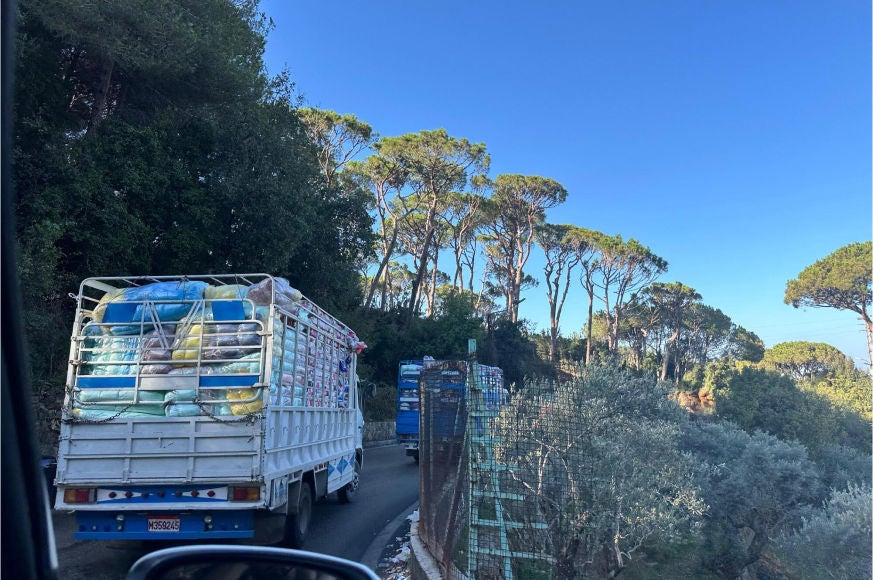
(80, 495)
(250, 493)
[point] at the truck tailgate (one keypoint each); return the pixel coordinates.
(147, 450)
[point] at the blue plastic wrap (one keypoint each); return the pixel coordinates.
(182, 410)
(183, 292)
(118, 395)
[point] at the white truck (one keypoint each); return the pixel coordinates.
(206, 407)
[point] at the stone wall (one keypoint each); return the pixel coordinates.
(376, 431)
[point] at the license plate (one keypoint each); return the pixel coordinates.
(163, 524)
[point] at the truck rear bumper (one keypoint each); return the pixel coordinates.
(166, 526)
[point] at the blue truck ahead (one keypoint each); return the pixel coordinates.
(408, 374)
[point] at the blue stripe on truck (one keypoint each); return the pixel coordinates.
(104, 525)
(102, 382)
(228, 381)
(129, 382)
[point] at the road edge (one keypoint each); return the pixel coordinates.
(380, 443)
(374, 550)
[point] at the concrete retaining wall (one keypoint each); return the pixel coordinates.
(375, 431)
(421, 564)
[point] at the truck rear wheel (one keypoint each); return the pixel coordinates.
(297, 525)
(347, 493)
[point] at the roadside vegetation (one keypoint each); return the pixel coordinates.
(146, 144)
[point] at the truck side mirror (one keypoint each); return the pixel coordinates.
(249, 562)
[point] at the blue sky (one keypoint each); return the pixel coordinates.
(731, 137)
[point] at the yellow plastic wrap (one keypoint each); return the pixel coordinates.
(100, 309)
(242, 395)
(228, 292)
(187, 346)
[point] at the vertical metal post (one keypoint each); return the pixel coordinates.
(472, 509)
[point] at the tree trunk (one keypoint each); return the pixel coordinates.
(565, 568)
(101, 98)
(758, 543)
(612, 329)
(516, 290)
(458, 281)
(431, 292)
(382, 273)
(868, 324)
(590, 328)
(553, 343)
(668, 348)
(472, 273)
(414, 297)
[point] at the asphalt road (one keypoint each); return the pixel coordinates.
(389, 485)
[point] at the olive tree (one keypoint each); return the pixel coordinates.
(755, 485)
(834, 540)
(599, 465)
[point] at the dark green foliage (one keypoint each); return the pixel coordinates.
(387, 344)
(745, 345)
(150, 140)
(509, 347)
(840, 280)
(761, 399)
(141, 58)
(447, 333)
(379, 402)
(678, 558)
(802, 360)
(392, 337)
(570, 350)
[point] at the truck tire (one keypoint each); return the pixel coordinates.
(347, 493)
(297, 525)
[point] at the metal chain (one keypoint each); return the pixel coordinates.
(68, 417)
(247, 418)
